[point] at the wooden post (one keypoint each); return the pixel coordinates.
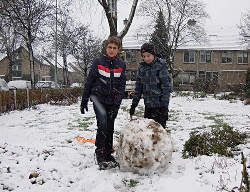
(1, 104)
(15, 104)
(28, 98)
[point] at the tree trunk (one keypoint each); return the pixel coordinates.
(32, 66)
(65, 71)
(110, 9)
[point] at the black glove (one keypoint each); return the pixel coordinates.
(114, 111)
(84, 105)
(132, 109)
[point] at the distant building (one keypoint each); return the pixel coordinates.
(44, 68)
(223, 60)
(21, 67)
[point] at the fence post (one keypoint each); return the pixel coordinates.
(28, 98)
(1, 104)
(15, 104)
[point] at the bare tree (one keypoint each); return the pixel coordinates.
(183, 20)
(86, 49)
(245, 28)
(9, 42)
(30, 17)
(68, 34)
(110, 8)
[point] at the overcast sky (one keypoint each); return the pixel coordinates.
(226, 12)
(222, 13)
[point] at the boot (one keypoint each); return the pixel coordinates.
(101, 155)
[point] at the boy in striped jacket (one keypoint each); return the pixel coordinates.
(105, 86)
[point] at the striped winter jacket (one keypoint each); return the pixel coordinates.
(106, 80)
(154, 83)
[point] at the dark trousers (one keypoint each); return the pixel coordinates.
(159, 114)
(105, 126)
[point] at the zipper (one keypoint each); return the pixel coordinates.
(111, 77)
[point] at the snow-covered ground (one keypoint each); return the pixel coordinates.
(43, 141)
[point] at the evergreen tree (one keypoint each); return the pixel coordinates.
(160, 37)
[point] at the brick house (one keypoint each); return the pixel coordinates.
(21, 67)
(223, 60)
(44, 68)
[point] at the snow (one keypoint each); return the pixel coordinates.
(43, 140)
(145, 147)
(219, 38)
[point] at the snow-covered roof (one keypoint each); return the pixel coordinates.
(134, 40)
(219, 38)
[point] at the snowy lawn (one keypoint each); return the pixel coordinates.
(38, 150)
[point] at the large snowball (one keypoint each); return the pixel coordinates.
(144, 147)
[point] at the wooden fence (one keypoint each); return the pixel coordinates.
(21, 99)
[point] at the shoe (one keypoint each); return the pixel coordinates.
(111, 158)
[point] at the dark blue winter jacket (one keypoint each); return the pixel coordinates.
(154, 83)
(106, 80)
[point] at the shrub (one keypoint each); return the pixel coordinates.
(221, 140)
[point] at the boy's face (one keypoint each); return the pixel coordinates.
(112, 50)
(148, 57)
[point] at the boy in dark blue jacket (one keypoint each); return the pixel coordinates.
(154, 83)
(105, 86)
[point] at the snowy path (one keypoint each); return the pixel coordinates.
(43, 141)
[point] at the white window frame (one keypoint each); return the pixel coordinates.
(228, 57)
(190, 55)
(242, 55)
(207, 55)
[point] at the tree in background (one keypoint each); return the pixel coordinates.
(245, 33)
(86, 49)
(29, 16)
(245, 28)
(9, 41)
(183, 21)
(159, 37)
(110, 9)
(247, 86)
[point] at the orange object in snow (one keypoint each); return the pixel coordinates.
(83, 140)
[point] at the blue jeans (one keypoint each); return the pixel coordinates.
(105, 126)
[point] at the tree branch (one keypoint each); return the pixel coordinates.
(130, 19)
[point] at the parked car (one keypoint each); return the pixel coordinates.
(19, 84)
(75, 85)
(3, 85)
(45, 84)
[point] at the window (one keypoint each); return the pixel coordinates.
(17, 73)
(205, 57)
(186, 77)
(242, 57)
(17, 56)
(17, 68)
(189, 57)
(131, 56)
(208, 75)
(227, 57)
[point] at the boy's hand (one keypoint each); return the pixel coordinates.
(114, 111)
(84, 105)
(132, 110)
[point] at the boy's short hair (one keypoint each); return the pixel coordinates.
(115, 40)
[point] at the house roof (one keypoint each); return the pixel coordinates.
(219, 38)
(134, 40)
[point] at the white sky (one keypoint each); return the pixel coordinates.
(222, 13)
(226, 12)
